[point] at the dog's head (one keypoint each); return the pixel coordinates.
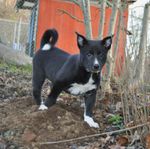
(93, 52)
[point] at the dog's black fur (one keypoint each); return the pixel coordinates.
(66, 71)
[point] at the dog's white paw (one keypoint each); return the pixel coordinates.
(43, 107)
(90, 122)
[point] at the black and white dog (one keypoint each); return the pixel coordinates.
(75, 74)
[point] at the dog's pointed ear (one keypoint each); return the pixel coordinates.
(81, 40)
(107, 41)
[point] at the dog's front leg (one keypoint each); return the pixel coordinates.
(90, 99)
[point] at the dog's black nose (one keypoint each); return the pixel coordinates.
(96, 66)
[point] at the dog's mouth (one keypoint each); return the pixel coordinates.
(95, 71)
(92, 71)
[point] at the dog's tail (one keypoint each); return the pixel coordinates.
(49, 39)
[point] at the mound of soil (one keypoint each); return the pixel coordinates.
(24, 126)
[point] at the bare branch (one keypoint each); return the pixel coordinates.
(75, 2)
(126, 31)
(62, 11)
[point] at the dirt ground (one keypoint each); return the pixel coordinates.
(23, 126)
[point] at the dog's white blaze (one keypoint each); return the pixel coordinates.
(46, 47)
(90, 121)
(77, 89)
(96, 61)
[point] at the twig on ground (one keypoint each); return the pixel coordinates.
(94, 135)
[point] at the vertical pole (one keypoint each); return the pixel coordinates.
(31, 46)
(19, 33)
(33, 29)
(14, 38)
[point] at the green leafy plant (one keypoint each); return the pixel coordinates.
(115, 119)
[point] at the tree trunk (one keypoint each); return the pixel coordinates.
(85, 7)
(115, 46)
(102, 19)
(110, 54)
(139, 73)
(87, 17)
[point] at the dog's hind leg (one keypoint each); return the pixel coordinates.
(37, 82)
(90, 99)
(52, 97)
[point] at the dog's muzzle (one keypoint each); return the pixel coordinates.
(96, 67)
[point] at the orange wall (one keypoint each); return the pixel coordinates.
(50, 17)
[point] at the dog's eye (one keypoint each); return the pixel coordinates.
(89, 54)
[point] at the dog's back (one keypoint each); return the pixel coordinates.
(49, 59)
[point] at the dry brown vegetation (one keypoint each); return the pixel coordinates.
(8, 11)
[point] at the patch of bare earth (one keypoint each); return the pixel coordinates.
(23, 126)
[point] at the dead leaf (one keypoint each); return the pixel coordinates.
(122, 140)
(147, 141)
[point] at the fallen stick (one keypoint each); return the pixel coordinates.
(94, 135)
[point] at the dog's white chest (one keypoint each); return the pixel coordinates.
(78, 89)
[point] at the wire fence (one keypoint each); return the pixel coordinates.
(14, 34)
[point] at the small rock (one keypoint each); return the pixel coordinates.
(28, 136)
(74, 146)
(2, 145)
(50, 127)
(59, 117)
(12, 147)
(60, 99)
